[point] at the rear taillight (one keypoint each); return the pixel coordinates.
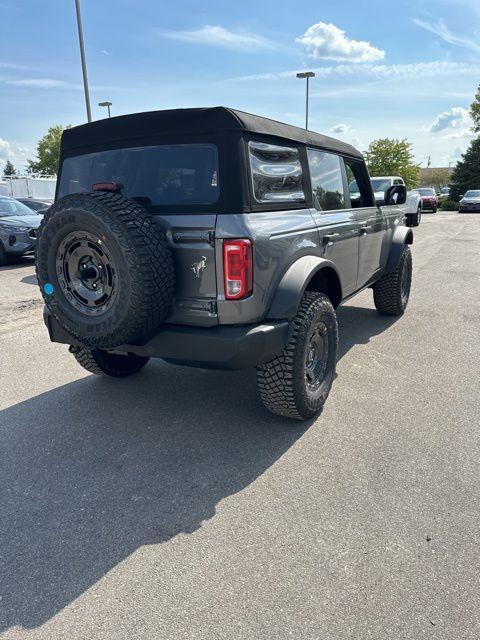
(237, 268)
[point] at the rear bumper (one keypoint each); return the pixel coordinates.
(221, 347)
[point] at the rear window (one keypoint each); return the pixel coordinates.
(276, 173)
(170, 175)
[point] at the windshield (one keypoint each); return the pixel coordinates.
(179, 174)
(472, 194)
(445, 191)
(381, 184)
(11, 207)
(426, 192)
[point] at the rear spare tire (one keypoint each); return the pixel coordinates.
(104, 269)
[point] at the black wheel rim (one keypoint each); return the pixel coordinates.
(86, 273)
(405, 282)
(316, 360)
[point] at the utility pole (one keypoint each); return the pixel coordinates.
(84, 64)
(306, 75)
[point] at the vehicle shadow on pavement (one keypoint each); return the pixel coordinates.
(357, 325)
(92, 470)
(18, 263)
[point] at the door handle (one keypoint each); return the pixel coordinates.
(329, 238)
(363, 231)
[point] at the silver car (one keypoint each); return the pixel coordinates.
(470, 201)
(18, 229)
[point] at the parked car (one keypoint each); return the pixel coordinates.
(412, 208)
(470, 201)
(429, 199)
(39, 206)
(444, 195)
(18, 229)
(216, 238)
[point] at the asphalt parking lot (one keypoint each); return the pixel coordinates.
(171, 505)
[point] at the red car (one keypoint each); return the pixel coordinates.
(429, 199)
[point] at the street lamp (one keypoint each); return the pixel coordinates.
(307, 75)
(106, 104)
(84, 64)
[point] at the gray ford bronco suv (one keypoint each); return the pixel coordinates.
(216, 238)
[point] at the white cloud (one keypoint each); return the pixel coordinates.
(340, 128)
(327, 42)
(454, 118)
(105, 52)
(11, 65)
(40, 83)
(15, 153)
(5, 150)
(216, 36)
(415, 70)
(441, 30)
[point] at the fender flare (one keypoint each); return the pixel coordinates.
(292, 286)
(401, 236)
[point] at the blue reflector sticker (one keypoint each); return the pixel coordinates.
(48, 288)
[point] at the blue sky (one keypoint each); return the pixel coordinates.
(404, 69)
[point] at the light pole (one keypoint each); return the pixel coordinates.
(307, 75)
(84, 64)
(106, 104)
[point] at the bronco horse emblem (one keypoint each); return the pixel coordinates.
(199, 267)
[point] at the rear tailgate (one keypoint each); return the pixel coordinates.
(191, 238)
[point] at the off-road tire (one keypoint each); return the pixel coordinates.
(142, 264)
(391, 292)
(282, 382)
(103, 363)
(3, 256)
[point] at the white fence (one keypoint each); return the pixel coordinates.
(42, 187)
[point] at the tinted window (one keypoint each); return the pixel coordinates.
(327, 180)
(359, 186)
(426, 192)
(11, 207)
(168, 175)
(381, 184)
(276, 173)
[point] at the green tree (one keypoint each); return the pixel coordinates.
(475, 111)
(391, 157)
(438, 178)
(9, 169)
(466, 174)
(48, 151)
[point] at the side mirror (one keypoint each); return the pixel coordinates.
(396, 195)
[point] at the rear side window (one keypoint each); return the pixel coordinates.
(276, 173)
(327, 180)
(181, 174)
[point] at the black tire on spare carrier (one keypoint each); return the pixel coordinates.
(104, 269)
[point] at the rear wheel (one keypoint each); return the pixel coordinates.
(392, 291)
(101, 362)
(296, 383)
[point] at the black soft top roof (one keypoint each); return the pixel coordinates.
(191, 121)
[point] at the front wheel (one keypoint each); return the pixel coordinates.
(392, 291)
(103, 363)
(297, 382)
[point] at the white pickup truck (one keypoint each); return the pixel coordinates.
(413, 206)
